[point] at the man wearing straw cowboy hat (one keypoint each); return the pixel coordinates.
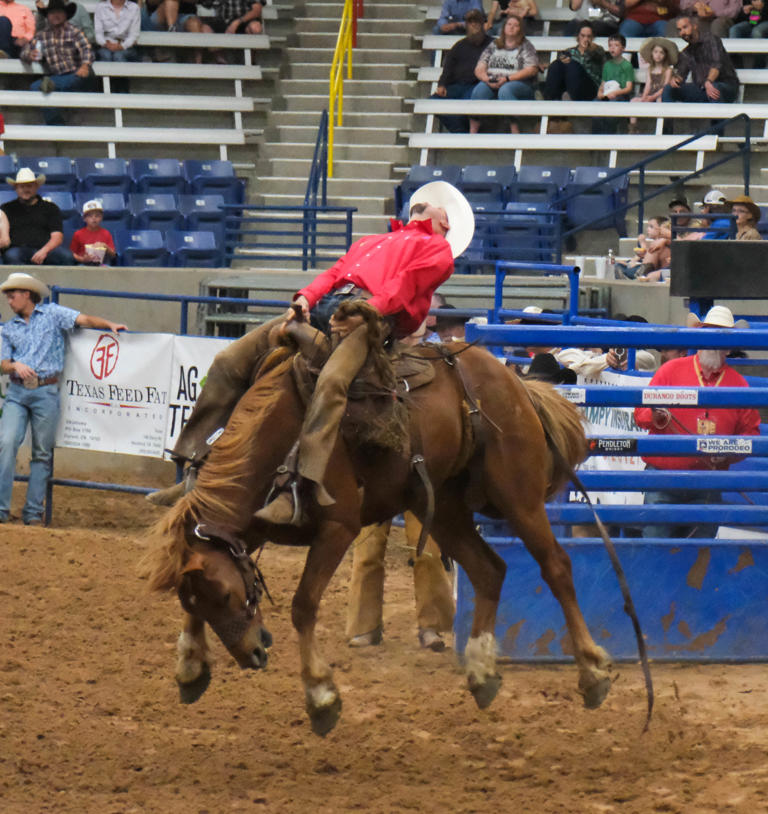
(747, 214)
(36, 231)
(33, 348)
(706, 368)
(395, 274)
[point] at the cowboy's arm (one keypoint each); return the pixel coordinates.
(653, 418)
(7, 365)
(5, 231)
(87, 321)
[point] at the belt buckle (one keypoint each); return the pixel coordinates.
(347, 289)
(31, 382)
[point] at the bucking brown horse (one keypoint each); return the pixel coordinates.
(202, 544)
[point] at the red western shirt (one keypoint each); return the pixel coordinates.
(401, 269)
(687, 372)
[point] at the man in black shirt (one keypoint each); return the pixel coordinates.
(712, 75)
(458, 76)
(35, 225)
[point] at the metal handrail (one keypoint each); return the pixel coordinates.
(744, 151)
(345, 42)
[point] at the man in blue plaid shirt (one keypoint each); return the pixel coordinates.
(65, 52)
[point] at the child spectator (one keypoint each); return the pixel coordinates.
(93, 245)
(660, 54)
(652, 253)
(618, 81)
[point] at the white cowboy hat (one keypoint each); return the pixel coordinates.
(93, 206)
(25, 176)
(460, 216)
(718, 316)
(25, 282)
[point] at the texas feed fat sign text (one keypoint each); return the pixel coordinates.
(130, 393)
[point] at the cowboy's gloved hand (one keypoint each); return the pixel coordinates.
(661, 417)
(344, 325)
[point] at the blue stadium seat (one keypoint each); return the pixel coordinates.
(194, 249)
(141, 247)
(762, 226)
(66, 203)
(418, 175)
(600, 202)
(59, 172)
(536, 184)
(7, 195)
(7, 166)
(521, 233)
(117, 215)
(476, 257)
(100, 175)
(214, 177)
(155, 211)
(203, 212)
(158, 175)
(487, 185)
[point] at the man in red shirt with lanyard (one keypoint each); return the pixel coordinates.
(706, 368)
(396, 273)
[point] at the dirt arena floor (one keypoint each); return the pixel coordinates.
(90, 720)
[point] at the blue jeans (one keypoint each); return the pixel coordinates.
(40, 409)
(631, 28)
(454, 123)
(688, 92)
(61, 82)
(746, 29)
(571, 77)
(21, 256)
(6, 40)
(666, 497)
(128, 55)
(508, 92)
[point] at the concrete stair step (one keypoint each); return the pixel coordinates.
(372, 206)
(377, 86)
(352, 104)
(339, 188)
(379, 25)
(399, 154)
(373, 11)
(363, 56)
(309, 118)
(365, 42)
(307, 133)
(374, 70)
(342, 168)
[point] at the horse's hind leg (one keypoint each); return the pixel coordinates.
(593, 661)
(193, 673)
(457, 537)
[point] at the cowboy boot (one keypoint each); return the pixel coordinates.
(169, 496)
(286, 508)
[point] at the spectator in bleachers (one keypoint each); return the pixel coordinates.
(5, 232)
(646, 18)
(660, 54)
(171, 15)
(526, 10)
(603, 15)
(752, 21)
(80, 19)
(714, 203)
(713, 77)
(93, 244)
(618, 81)
(680, 206)
(453, 14)
(578, 70)
(117, 24)
(35, 225)
(17, 27)
(716, 15)
(232, 17)
(652, 253)
(458, 77)
(507, 69)
(706, 368)
(66, 53)
(747, 217)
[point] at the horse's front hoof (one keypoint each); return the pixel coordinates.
(324, 712)
(485, 693)
(190, 691)
(595, 694)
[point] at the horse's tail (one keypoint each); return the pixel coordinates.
(564, 428)
(163, 561)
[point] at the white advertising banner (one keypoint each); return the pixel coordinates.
(605, 422)
(192, 356)
(115, 392)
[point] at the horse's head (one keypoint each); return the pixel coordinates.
(220, 585)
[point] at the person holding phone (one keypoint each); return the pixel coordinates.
(578, 70)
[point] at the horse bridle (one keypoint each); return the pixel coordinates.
(253, 580)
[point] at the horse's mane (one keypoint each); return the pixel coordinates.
(563, 424)
(225, 484)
